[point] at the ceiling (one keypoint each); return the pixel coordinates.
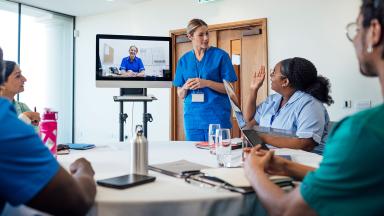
(81, 7)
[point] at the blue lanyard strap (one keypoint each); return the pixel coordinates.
(198, 72)
(203, 61)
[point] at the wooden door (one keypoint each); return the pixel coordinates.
(183, 45)
(245, 40)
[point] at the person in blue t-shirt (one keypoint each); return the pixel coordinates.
(349, 180)
(132, 66)
(297, 106)
(199, 78)
(30, 175)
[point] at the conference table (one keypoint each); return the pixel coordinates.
(168, 195)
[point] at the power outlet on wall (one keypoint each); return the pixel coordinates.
(347, 104)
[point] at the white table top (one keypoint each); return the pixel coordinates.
(167, 195)
(114, 159)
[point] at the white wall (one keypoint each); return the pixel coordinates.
(314, 29)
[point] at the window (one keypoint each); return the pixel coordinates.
(9, 29)
(46, 60)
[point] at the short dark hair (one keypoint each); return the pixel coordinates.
(302, 75)
(370, 10)
(9, 67)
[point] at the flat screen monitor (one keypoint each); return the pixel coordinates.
(128, 61)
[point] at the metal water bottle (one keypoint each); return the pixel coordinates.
(139, 152)
(48, 130)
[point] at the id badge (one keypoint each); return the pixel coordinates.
(198, 97)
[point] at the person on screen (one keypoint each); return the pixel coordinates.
(132, 66)
(199, 80)
(30, 175)
(297, 105)
(348, 180)
(13, 85)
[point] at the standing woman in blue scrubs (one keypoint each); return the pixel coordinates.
(199, 80)
(297, 106)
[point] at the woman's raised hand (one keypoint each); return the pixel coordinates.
(258, 78)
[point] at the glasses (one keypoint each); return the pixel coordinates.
(273, 73)
(352, 30)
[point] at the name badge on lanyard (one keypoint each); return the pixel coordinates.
(198, 97)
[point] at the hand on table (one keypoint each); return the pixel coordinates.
(81, 166)
(129, 73)
(259, 159)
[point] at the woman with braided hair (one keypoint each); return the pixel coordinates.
(297, 106)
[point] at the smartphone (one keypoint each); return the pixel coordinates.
(126, 181)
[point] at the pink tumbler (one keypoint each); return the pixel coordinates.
(48, 130)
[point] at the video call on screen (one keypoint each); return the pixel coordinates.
(153, 54)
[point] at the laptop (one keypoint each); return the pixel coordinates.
(251, 133)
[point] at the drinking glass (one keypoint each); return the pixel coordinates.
(212, 137)
(223, 150)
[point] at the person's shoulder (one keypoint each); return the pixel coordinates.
(5, 108)
(217, 51)
(186, 57)
(307, 99)
(370, 118)
(367, 123)
(10, 124)
(273, 98)
(4, 103)
(21, 104)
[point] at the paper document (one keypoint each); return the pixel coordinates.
(233, 176)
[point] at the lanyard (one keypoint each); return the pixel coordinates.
(199, 70)
(203, 61)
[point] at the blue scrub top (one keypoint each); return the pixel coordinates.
(302, 113)
(26, 165)
(216, 109)
(136, 65)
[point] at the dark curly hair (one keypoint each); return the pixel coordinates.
(373, 9)
(302, 75)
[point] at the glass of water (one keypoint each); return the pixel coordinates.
(212, 137)
(223, 150)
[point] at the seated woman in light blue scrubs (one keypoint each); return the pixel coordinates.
(297, 106)
(199, 78)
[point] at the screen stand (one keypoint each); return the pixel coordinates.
(133, 95)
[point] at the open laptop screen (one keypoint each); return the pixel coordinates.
(235, 104)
